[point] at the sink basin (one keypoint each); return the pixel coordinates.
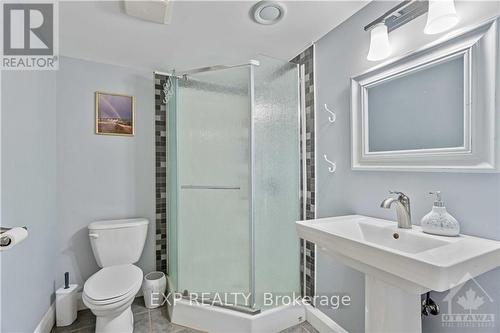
(432, 262)
(399, 264)
(405, 241)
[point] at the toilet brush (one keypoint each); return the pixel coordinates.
(66, 303)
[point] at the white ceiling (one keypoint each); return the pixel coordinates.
(200, 33)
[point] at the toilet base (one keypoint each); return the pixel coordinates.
(123, 323)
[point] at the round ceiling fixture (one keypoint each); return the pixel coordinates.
(268, 12)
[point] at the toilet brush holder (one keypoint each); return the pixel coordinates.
(66, 305)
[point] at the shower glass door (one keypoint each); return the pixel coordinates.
(213, 184)
(233, 178)
(276, 175)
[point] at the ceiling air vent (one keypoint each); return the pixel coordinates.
(158, 11)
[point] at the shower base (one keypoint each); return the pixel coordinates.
(210, 318)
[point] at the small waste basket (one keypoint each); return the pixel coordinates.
(153, 289)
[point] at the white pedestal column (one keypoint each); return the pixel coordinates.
(390, 309)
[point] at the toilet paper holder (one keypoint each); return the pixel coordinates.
(4, 240)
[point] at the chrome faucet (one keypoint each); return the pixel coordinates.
(402, 203)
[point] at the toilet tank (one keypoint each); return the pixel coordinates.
(118, 242)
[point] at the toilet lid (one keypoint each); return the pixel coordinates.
(113, 281)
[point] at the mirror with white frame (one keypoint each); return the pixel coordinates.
(435, 109)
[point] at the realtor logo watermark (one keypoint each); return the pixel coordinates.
(29, 35)
(468, 306)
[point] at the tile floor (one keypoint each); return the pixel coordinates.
(151, 321)
(145, 321)
(305, 327)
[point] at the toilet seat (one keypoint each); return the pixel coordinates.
(113, 301)
(112, 285)
(105, 307)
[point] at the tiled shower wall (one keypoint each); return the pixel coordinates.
(308, 190)
(307, 269)
(161, 174)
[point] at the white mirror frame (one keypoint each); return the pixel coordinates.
(481, 150)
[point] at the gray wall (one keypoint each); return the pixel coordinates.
(28, 149)
(58, 176)
(472, 198)
(99, 176)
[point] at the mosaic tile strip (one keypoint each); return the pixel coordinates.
(161, 174)
(307, 261)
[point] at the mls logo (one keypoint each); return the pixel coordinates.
(29, 35)
(468, 306)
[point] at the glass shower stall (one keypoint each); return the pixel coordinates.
(233, 183)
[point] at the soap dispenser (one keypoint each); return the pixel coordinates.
(439, 221)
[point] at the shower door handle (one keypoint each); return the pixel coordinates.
(209, 187)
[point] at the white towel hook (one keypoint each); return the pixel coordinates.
(332, 116)
(332, 166)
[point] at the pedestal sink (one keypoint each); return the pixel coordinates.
(399, 264)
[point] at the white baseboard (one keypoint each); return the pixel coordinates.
(322, 322)
(48, 320)
(278, 319)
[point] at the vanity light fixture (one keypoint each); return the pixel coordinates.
(380, 48)
(441, 16)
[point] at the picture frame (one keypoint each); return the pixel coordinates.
(114, 114)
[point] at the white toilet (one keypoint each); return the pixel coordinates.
(116, 244)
